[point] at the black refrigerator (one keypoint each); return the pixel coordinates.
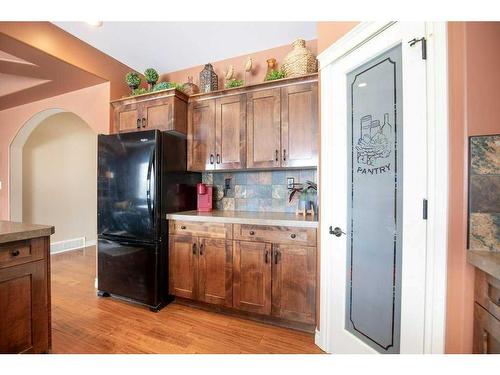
(141, 177)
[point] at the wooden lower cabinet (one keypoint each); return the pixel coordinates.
(252, 277)
(183, 266)
(274, 281)
(201, 269)
(215, 271)
(25, 297)
(486, 332)
(294, 283)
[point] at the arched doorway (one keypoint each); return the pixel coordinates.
(53, 177)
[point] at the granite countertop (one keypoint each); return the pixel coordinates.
(247, 217)
(13, 231)
(486, 261)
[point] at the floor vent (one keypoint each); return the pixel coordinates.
(67, 245)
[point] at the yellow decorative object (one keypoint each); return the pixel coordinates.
(299, 61)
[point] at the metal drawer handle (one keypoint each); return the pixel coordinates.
(293, 235)
(252, 233)
(183, 227)
(15, 253)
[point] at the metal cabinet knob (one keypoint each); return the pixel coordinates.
(183, 227)
(293, 235)
(15, 253)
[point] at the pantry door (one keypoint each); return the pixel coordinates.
(373, 184)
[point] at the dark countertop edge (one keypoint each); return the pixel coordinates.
(486, 261)
(26, 235)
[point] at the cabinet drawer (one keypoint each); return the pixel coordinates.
(275, 234)
(20, 252)
(487, 292)
(200, 229)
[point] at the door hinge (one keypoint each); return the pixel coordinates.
(424, 209)
(423, 42)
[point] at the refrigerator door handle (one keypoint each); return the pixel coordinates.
(148, 192)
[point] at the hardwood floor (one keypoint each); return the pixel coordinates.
(85, 323)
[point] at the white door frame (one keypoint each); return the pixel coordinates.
(437, 184)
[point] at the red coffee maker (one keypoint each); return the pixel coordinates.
(204, 197)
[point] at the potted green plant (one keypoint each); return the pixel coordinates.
(133, 80)
(275, 74)
(151, 76)
(307, 195)
(232, 83)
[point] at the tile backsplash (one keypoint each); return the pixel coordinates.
(256, 191)
(484, 185)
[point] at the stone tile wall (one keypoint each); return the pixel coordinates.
(257, 191)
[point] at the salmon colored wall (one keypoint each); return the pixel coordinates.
(474, 97)
(258, 71)
(329, 32)
(51, 39)
(91, 104)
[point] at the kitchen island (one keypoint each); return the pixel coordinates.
(25, 287)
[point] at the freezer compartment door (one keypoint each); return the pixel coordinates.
(129, 270)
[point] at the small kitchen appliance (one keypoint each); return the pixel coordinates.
(204, 192)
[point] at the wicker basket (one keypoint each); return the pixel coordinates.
(300, 60)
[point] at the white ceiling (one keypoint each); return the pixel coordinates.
(171, 46)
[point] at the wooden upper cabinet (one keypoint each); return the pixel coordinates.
(252, 277)
(201, 135)
(127, 118)
(230, 132)
(263, 129)
(215, 271)
(294, 283)
(165, 111)
(183, 266)
(299, 125)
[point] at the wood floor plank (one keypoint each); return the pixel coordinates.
(85, 323)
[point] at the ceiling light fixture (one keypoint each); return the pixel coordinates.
(95, 23)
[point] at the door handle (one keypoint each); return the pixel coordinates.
(266, 257)
(211, 158)
(277, 255)
(277, 155)
(194, 249)
(218, 158)
(144, 122)
(284, 154)
(201, 249)
(138, 123)
(336, 231)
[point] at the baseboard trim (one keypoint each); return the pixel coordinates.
(70, 244)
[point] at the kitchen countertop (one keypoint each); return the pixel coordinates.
(13, 231)
(486, 261)
(247, 217)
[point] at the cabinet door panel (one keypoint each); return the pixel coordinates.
(183, 266)
(159, 114)
(263, 129)
(299, 125)
(201, 136)
(128, 118)
(215, 271)
(252, 277)
(230, 125)
(294, 283)
(24, 323)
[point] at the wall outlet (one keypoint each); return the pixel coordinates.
(290, 181)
